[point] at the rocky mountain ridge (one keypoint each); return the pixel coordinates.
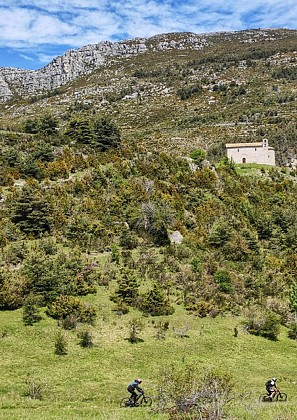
(63, 69)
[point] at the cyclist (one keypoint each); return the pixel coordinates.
(131, 388)
(271, 387)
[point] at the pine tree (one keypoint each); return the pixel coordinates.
(127, 288)
(31, 313)
(106, 134)
(32, 213)
(80, 131)
(156, 303)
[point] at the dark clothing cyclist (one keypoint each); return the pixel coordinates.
(271, 387)
(131, 388)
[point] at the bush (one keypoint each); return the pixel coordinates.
(13, 290)
(187, 393)
(198, 156)
(201, 308)
(60, 344)
(136, 325)
(86, 338)
(70, 306)
(263, 323)
(128, 239)
(162, 327)
(68, 323)
(35, 388)
(223, 279)
(156, 303)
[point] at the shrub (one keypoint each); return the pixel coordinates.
(121, 307)
(15, 253)
(156, 303)
(70, 306)
(60, 344)
(198, 156)
(293, 298)
(35, 388)
(201, 308)
(223, 279)
(161, 327)
(196, 265)
(136, 325)
(13, 290)
(263, 323)
(86, 338)
(281, 307)
(68, 323)
(187, 393)
(128, 239)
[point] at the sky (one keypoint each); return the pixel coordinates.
(33, 32)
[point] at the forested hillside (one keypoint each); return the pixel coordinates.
(132, 202)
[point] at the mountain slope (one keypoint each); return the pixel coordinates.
(174, 91)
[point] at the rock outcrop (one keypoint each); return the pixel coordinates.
(75, 63)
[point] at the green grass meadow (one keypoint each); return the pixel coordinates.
(88, 383)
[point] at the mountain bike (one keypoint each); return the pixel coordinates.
(141, 400)
(276, 396)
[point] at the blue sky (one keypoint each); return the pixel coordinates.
(33, 32)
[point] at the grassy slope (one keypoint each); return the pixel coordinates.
(88, 383)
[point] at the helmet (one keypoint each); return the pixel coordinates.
(274, 379)
(138, 380)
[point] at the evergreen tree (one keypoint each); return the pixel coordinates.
(106, 134)
(32, 213)
(80, 131)
(48, 124)
(31, 313)
(156, 303)
(127, 288)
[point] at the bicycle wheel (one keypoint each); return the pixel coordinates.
(125, 402)
(265, 398)
(146, 401)
(281, 397)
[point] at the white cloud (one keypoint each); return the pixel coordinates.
(37, 24)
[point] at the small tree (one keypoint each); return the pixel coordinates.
(80, 131)
(32, 213)
(31, 311)
(136, 325)
(156, 303)
(127, 290)
(106, 135)
(223, 279)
